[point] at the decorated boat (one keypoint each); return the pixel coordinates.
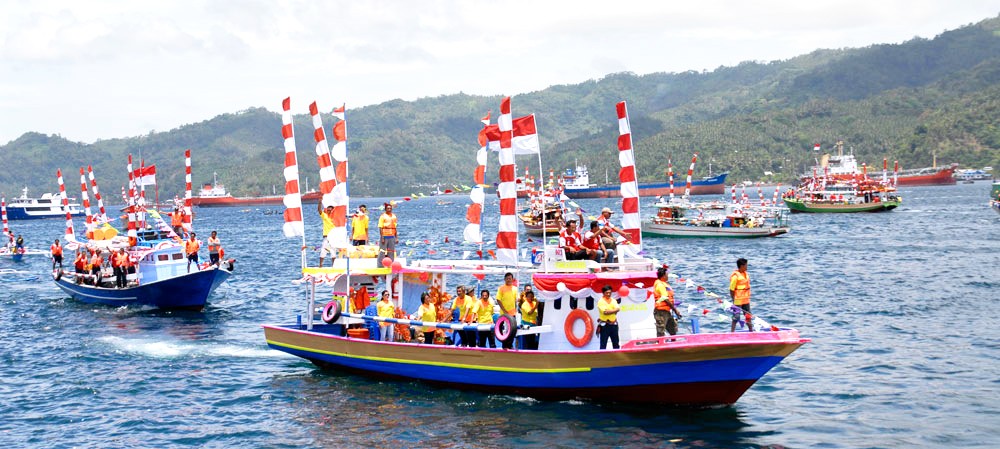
(845, 167)
(733, 221)
(843, 198)
(542, 216)
(692, 369)
(160, 275)
(578, 186)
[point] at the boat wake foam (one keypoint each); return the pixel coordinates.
(173, 349)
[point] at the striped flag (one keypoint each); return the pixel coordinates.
(294, 226)
(340, 194)
(188, 203)
(629, 183)
(133, 235)
(474, 214)
(86, 204)
(103, 216)
(687, 186)
(507, 228)
(70, 235)
(327, 177)
(3, 215)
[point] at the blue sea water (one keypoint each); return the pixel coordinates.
(901, 308)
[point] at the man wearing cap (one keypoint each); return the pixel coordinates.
(604, 222)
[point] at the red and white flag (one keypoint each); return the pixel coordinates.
(145, 176)
(70, 235)
(102, 216)
(3, 216)
(507, 227)
(294, 226)
(341, 200)
(86, 204)
(525, 138)
(188, 201)
(629, 183)
(473, 231)
(327, 177)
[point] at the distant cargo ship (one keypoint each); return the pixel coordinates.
(215, 195)
(845, 166)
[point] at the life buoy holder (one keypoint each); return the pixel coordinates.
(588, 324)
(505, 328)
(331, 312)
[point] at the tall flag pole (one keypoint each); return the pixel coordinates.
(474, 214)
(670, 175)
(133, 236)
(733, 190)
(294, 226)
(687, 186)
(895, 173)
(70, 235)
(507, 227)
(188, 202)
(885, 171)
(327, 177)
(3, 216)
(774, 198)
(86, 204)
(341, 193)
(629, 182)
(103, 217)
(141, 184)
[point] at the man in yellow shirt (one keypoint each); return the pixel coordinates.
(608, 319)
(326, 247)
(458, 310)
(359, 227)
(739, 291)
(507, 300)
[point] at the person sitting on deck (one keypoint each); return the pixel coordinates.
(592, 240)
(570, 240)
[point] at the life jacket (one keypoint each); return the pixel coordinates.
(387, 224)
(214, 244)
(742, 288)
(56, 250)
(592, 241)
(176, 219)
(191, 247)
(81, 262)
(96, 261)
(567, 239)
(662, 305)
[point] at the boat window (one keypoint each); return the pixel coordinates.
(557, 303)
(178, 256)
(573, 303)
(163, 257)
(590, 303)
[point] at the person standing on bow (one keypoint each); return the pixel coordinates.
(57, 254)
(214, 247)
(359, 226)
(387, 233)
(326, 215)
(386, 310)
(663, 296)
(507, 299)
(191, 247)
(607, 322)
(739, 291)
(177, 222)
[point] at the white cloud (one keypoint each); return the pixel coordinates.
(103, 69)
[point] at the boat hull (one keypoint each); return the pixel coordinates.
(676, 230)
(943, 177)
(189, 291)
(810, 207)
(230, 201)
(688, 370)
(19, 213)
(711, 186)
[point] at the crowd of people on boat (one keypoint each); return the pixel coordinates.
(597, 244)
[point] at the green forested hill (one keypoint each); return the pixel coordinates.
(906, 102)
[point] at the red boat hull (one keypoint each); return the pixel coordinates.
(942, 177)
(270, 200)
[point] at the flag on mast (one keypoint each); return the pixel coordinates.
(629, 182)
(70, 235)
(507, 227)
(294, 226)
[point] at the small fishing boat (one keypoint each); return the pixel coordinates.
(160, 280)
(542, 217)
(734, 221)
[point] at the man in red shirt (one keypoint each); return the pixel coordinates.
(572, 243)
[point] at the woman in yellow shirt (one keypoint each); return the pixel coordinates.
(529, 317)
(386, 310)
(484, 315)
(427, 313)
(608, 320)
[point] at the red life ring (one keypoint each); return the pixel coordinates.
(588, 324)
(331, 312)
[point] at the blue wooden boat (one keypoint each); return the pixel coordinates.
(161, 280)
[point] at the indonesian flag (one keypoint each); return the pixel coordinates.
(525, 140)
(816, 147)
(145, 176)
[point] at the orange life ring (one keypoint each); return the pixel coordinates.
(588, 324)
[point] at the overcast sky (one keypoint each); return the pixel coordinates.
(91, 70)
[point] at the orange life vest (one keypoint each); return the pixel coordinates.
(191, 247)
(97, 260)
(387, 224)
(742, 288)
(176, 219)
(56, 249)
(214, 244)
